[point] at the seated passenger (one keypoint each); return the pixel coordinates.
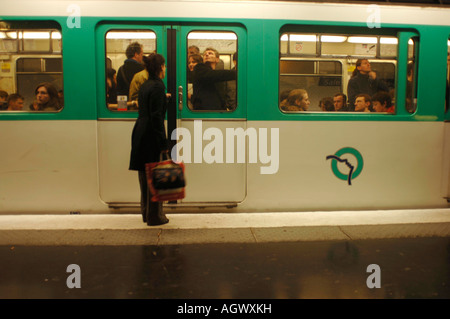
(46, 98)
(3, 100)
(340, 102)
(362, 103)
(206, 94)
(297, 101)
(381, 102)
(326, 104)
(15, 102)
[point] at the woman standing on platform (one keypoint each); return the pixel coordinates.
(149, 136)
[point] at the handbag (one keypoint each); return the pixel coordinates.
(166, 179)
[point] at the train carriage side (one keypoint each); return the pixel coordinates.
(255, 156)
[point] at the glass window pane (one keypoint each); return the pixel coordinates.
(212, 71)
(8, 41)
(29, 65)
(299, 44)
(30, 83)
(53, 65)
(124, 66)
(35, 41)
(330, 67)
(330, 72)
(297, 67)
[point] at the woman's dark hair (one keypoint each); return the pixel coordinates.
(53, 94)
(356, 71)
(154, 63)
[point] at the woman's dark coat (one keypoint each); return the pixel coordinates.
(149, 135)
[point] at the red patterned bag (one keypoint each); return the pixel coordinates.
(166, 180)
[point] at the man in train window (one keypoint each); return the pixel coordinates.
(206, 95)
(132, 65)
(364, 81)
(362, 103)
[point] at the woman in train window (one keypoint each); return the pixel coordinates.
(149, 139)
(296, 101)
(47, 98)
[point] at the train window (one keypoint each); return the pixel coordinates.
(31, 77)
(316, 71)
(212, 71)
(125, 70)
(411, 76)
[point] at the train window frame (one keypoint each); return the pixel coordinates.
(380, 54)
(447, 86)
(126, 105)
(189, 88)
(39, 40)
(412, 59)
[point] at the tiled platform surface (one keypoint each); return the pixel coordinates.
(128, 229)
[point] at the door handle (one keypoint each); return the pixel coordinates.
(180, 98)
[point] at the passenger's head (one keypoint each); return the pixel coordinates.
(155, 65)
(3, 96)
(193, 49)
(381, 101)
(46, 94)
(211, 56)
(339, 101)
(135, 51)
(15, 102)
(193, 60)
(299, 98)
(326, 104)
(362, 103)
(362, 66)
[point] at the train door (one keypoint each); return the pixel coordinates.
(210, 182)
(211, 117)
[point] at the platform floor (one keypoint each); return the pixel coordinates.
(128, 229)
(222, 258)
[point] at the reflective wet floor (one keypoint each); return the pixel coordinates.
(404, 268)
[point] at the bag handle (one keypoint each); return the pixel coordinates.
(166, 152)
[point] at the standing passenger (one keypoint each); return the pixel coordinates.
(364, 81)
(132, 65)
(149, 136)
(206, 76)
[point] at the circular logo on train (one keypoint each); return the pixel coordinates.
(351, 168)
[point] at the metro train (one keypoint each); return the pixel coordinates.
(252, 155)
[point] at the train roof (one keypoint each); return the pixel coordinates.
(424, 12)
